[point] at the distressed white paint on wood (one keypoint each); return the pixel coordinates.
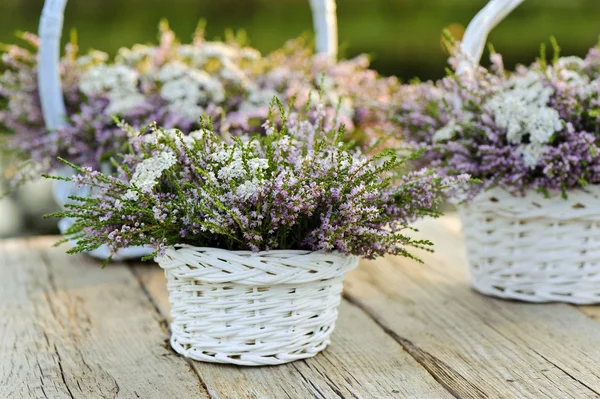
(478, 346)
(69, 329)
(362, 362)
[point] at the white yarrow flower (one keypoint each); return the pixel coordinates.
(248, 188)
(187, 89)
(107, 78)
(92, 58)
(118, 82)
(148, 172)
(123, 101)
(571, 63)
(523, 111)
(172, 70)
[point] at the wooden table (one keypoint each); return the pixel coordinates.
(69, 329)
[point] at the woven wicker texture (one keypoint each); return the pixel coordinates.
(252, 309)
(535, 249)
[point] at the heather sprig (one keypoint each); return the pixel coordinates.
(296, 187)
(537, 128)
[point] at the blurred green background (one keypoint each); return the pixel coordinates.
(403, 36)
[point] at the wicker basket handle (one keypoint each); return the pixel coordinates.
(50, 29)
(49, 86)
(325, 26)
(480, 27)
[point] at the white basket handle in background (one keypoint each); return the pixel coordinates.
(49, 84)
(479, 28)
(325, 27)
(50, 29)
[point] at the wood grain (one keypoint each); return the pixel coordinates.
(478, 347)
(69, 329)
(362, 362)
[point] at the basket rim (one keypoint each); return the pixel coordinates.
(247, 252)
(217, 265)
(497, 189)
(579, 203)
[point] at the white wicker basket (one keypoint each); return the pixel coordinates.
(252, 309)
(533, 248)
(53, 105)
(529, 248)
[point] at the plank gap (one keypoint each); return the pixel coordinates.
(69, 329)
(567, 373)
(488, 341)
(165, 325)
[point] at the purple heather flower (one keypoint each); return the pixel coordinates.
(537, 128)
(297, 188)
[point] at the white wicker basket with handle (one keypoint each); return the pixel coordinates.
(253, 309)
(53, 105)
(530, 248)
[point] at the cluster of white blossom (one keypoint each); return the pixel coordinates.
(187, 89)
(94, 57)
(522, 109)
(248, 188)
(135, 54)
(234, 165)
(221, 59)
(118, 82)
(194, 77)
(148, 172)
(156, 137)
(258, 97)
(572, 70)
(572, 63)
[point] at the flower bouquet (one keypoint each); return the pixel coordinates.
(533, 139)
(255, 233)
(172, 84)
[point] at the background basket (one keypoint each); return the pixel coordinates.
(53, 105)
(529, 248)
(533, 248)
(253, 309)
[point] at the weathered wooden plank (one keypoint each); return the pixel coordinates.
(478, 347)
(592, 311)
(362, 362)
(69, 329)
